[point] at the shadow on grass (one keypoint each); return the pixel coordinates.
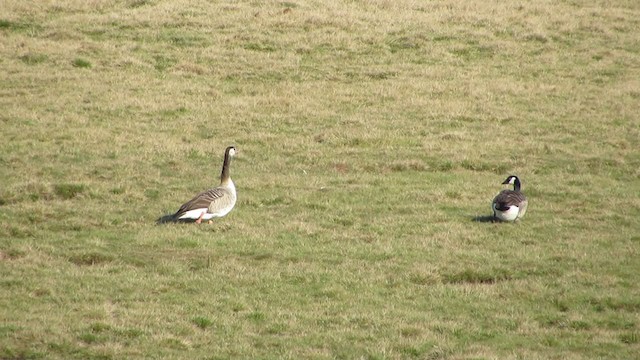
(165, 219)
(485, 219)
(170, 219)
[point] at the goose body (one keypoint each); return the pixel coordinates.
(215, 202)
(510, 205)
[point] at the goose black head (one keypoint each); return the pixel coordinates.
(231, 151)
(511, 180)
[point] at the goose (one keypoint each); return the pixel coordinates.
(215, 202)
(510, 205)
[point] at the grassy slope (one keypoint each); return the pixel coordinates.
(372, 137)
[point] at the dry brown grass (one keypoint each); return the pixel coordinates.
(372, 137)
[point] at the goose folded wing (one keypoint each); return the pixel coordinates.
(202, 200)
(509, 198)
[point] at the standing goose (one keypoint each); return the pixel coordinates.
(216, 202)
(510, 205)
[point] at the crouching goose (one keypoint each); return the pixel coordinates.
(216, 202)
(510, 205)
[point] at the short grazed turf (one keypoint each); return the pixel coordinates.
(372, 136)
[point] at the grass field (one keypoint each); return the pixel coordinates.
(372, 136)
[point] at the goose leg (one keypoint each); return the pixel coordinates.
(200, 218)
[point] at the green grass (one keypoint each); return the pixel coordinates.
(81, 63)
(372, 136)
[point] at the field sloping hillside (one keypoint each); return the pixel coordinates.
(372, 137)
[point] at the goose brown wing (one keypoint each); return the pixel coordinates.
(201, 201)
(508, 198)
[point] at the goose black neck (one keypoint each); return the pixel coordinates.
(516, 184)
(225, 167)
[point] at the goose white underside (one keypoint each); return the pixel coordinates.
(508, 215)
(196, 213)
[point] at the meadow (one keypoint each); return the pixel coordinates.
(372, 137)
